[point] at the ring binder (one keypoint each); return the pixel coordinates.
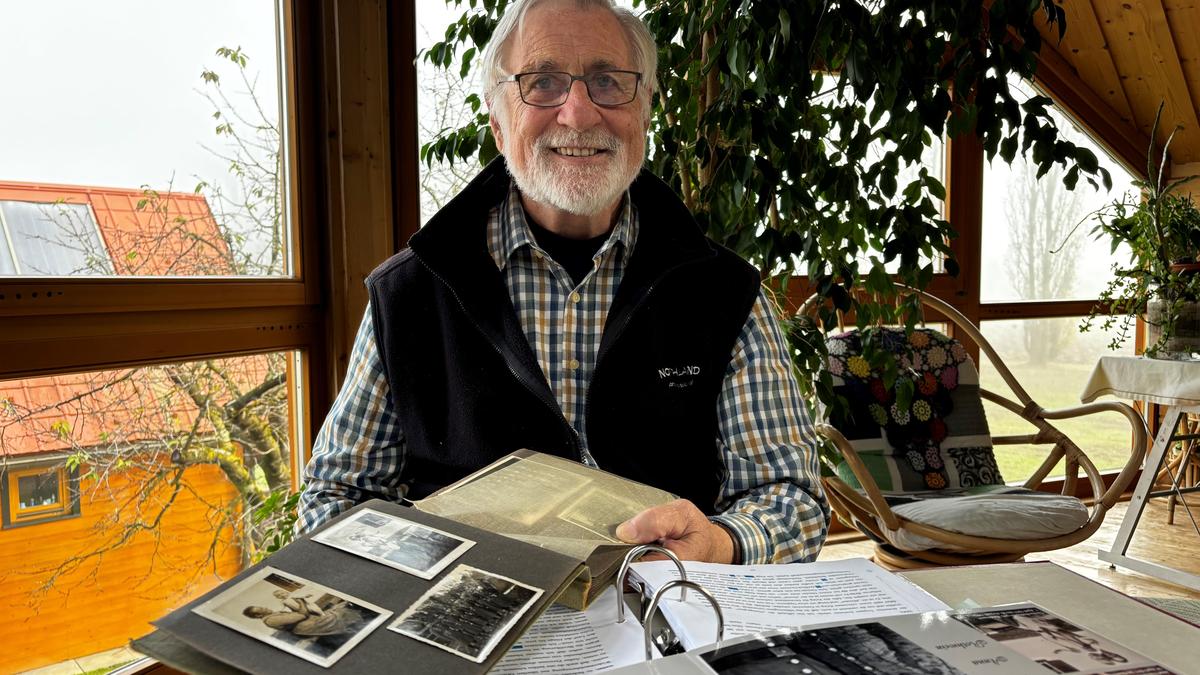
(683, 584)
(637, 552)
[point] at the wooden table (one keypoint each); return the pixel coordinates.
(1175, 385)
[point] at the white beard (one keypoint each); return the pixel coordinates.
(583, 190)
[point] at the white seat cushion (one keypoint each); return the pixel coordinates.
(1008, 513)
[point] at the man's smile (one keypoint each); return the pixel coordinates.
(578, 152)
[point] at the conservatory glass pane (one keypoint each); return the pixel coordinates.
(178, 149)
(129, 492)
(1037, 233)
(1052, 360)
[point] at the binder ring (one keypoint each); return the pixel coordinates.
(682, 583)
(635, 553)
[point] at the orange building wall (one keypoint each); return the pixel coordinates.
(102, 607)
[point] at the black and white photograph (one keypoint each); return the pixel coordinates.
(393, 541)
(839, 650)
(1057, 644)
(468, 612)
(303, 618)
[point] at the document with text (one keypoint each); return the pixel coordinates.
(758, 598)
(566, 641)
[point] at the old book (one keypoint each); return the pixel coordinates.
(553, 503)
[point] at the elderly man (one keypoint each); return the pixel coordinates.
(566, 301)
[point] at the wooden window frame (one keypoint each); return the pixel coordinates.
(134, 320)
(67, 506)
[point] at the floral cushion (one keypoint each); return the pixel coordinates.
(939, 439)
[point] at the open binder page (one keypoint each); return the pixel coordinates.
(757, 598)
(1016, 639)
(933, 643)
(547, 501)
(566, 641)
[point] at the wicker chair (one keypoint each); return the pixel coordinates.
(875, 448)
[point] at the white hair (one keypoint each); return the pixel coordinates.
(641, 46)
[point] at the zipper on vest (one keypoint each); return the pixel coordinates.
(618, 330)
(573, 435)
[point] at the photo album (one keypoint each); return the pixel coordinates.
(444, 586)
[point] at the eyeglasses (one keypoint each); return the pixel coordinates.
(550, 89)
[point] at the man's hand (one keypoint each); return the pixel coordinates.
(681, 528)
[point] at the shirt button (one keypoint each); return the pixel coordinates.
(575, 298)
(573, 364)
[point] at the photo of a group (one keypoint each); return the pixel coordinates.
(393, 541)
(468, 612)
(303, 618)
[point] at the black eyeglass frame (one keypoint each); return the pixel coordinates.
(574, 78)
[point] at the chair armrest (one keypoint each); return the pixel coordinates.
(1137, 452)
(882, 510)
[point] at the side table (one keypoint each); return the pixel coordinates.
(1175, 385)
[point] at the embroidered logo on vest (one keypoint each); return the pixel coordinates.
(678, 377)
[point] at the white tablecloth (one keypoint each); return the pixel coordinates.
(1145, 379)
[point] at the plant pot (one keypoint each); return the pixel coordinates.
(1184, 342)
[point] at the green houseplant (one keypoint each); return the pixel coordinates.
(1161, 283)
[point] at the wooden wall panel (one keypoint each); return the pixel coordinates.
(1183, 16)
(1086, 49)
(1143, 50)
(97, 608)
(1192, 187)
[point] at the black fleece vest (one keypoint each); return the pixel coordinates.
(466, 385)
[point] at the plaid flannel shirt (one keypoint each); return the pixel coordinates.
(771, 500)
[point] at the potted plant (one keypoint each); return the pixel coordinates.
(1161, 284)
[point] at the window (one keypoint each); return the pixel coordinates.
(1039, 271)
(178, 156)
(38, 494)
(1053, 361)
(160, 469)
(157, 264)
(52, 238)
(1042, 230)
(440, 95)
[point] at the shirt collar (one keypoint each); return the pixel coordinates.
(508, 229)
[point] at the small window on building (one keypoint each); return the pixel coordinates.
(57, 238)
(38, 493)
